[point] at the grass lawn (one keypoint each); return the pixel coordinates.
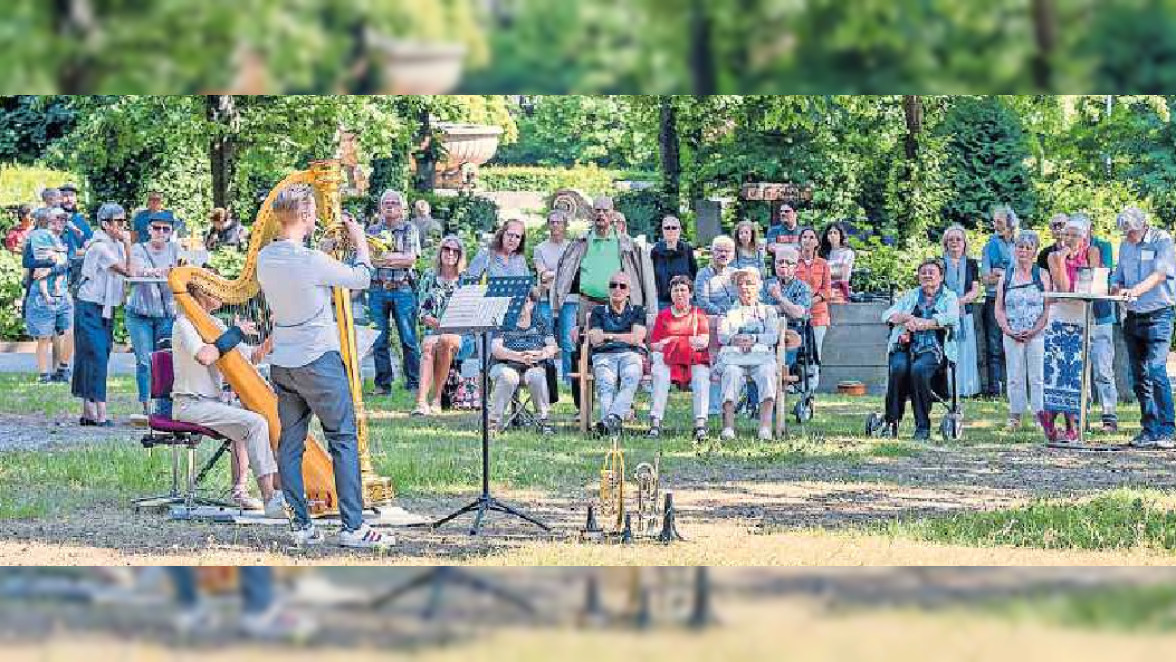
(828, 476)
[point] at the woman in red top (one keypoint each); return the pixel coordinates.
(814, 270)
(679, 355)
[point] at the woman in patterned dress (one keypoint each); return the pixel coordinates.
(438, 349)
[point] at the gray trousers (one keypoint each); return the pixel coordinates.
(319, 388)
(617, 374)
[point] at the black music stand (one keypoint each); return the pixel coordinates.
(474, 310)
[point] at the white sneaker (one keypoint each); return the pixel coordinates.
(727, 434)
(305, 536)
(765, 434)
(365, 537)
(277, 624)
(244, 501)
(275, 508)
(195, 620)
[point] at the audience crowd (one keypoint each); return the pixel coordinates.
(982, 321)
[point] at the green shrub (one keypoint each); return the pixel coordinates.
(881, 269)
(588, 178)
(460, 212)
(643, 211)
(11, 292)
(21, 184)
(228, 262)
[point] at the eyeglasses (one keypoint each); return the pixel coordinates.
(513, 235)
(450, 249)
(618, 286)
(786, 263)
(668, 228)
(161, 228)
(599, 210)
(117, 221)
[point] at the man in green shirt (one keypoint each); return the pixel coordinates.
(590, 261)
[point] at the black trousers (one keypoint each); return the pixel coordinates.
(993, 349)
(920, 380)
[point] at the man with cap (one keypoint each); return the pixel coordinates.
(1147, 274)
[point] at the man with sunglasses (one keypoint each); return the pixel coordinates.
(616, 332)
(590, 261)
(787, 231)
(672, 256)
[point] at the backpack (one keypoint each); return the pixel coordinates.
(1037, 282)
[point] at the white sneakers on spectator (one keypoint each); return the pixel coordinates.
(277, 624)
(275, 508)
(765, 434)
(244, 501)
(727, 434)
(273, 624)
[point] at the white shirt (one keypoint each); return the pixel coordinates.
(191, 378)
(101, 284)
(297, 283)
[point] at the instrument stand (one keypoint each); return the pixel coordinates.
(436, 579)
(471, 311)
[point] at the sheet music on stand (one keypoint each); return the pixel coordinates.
(470, 310)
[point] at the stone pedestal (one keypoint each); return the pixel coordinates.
(855, 347)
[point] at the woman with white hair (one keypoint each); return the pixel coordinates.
(748, 334)
(962, 276)
(1072, 254)
(713, 289)
(1147, 274)
(106, 266)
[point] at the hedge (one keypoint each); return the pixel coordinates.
(589, 178)
(21, 184)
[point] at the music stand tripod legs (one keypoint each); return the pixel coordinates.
(485, 501)
(435, 581)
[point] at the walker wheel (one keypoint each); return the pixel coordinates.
(803, 410)
(874, 424)
(952, 426)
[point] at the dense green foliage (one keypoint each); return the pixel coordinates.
(987, 156)
(589, 179)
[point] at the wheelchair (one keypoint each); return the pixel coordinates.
(806, 357)
(945, 391)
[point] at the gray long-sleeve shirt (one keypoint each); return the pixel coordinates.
(297, 283)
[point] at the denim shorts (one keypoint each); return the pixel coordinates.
(44, 318)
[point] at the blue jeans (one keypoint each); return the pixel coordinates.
(993, 348)
(618, 374)
(319, 388)
(401, 306)
(145, 333)
(257, 587)
(1148, 337)
(567, 322)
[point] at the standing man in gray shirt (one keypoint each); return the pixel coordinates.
(307, 369)
(1147, 273)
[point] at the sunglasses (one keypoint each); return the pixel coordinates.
(513, 235)
(450, 249)
(786, 263)
(161, 228)
(618, 286)
(667, 228)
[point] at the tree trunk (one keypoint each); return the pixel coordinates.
(1045, 32)
(426, 158)
(702, 59)
(221, 110)
(671, 163)
(912, 108)
(75, 24)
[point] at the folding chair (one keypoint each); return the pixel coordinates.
(521, 412)
(182, 438)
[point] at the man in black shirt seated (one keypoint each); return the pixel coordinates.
(616, 333)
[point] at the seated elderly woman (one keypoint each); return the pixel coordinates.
(920, 347)
(679, 355)
(790, 296)
(522, 354)
(747, 337)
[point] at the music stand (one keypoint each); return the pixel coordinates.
(473, 309)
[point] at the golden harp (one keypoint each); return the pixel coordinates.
(244, 296)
